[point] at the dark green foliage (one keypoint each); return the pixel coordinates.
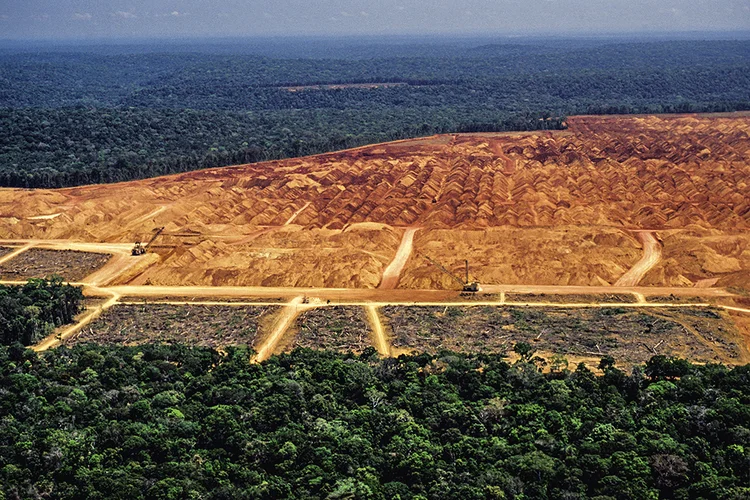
(30, 312)
(98, 116)
(176, 422)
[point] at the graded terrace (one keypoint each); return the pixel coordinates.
(654, 210)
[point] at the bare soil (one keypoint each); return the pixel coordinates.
(696, 254)
(630, 336)
(513, 256)
(39, 263)
(504, 201)
(206, 326)
(6, 250)
(338, 328)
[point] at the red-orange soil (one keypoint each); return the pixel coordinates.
(537, 207)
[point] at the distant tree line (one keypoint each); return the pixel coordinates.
(75, 118)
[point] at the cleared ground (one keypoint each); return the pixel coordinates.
(5, 250)
(568, 219)
(544, 256)
(630, 336)
(38, 263)
(528, 208)
(333, 328)
(286, 256)
(700, 257)
(616, 298)
(208, 326)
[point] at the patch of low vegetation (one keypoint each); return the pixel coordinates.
(205, 326)
(337, 328)
(630, 335)
(72, 265)
(676, 299)
(604, 298)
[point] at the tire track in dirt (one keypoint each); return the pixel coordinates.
(57, 338)
(392, 273)
(381, 343)
(15, 253)
(295, 214)
(651, 256)
(286, 317)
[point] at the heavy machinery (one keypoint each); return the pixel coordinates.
(466, 286)
(140, 249)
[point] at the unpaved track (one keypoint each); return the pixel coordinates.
(295, 214)
(651, 256)
(392, 273)
(381, 343)
(397, 295)
(15, 253)
(57, 338)
(286, 317)
(80, 246)
(117, 265)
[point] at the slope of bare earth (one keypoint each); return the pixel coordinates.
(700, 257)
(228, 225)
(354, 258)
(544, 256)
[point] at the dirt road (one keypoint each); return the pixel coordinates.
(381, 343)
(15, 252)
(283, 322)
(295, 214)
(392, 273)
(57, 338)
(651, 256)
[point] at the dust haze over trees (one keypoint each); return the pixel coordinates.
(105, 114)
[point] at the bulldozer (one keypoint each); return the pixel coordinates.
(140, 249)
(467, 286)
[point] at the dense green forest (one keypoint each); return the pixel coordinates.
(82, 114)
(30, 312)
(173, 422)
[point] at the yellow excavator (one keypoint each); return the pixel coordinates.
(140, 249)
(466, 286)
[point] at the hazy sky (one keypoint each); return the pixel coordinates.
(148, 18)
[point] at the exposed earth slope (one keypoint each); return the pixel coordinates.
(538, 207)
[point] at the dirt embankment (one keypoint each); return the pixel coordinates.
(543, 256)
(693, 256)
(227, 225)
(635, 172)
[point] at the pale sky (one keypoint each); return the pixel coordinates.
(34, 19)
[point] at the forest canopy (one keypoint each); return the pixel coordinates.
(161, 421)
(30, 312)
(86, 114)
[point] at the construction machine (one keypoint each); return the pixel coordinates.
(140, 249)
(466, 286)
